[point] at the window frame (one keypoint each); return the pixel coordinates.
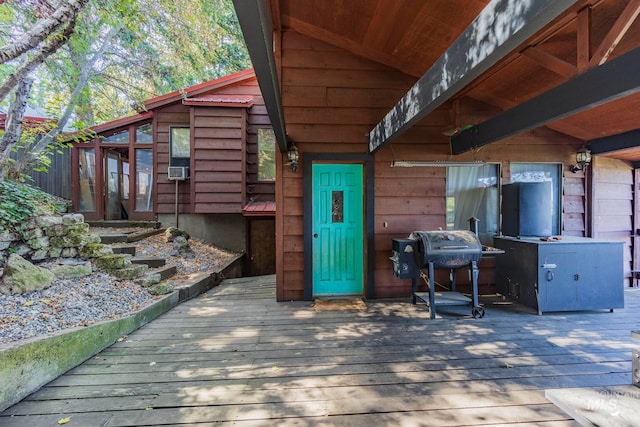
(178, 160)
(258, 151)
(485, 232)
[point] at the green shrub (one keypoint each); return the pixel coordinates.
(21, 201)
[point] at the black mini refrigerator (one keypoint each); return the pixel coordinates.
(527, 209)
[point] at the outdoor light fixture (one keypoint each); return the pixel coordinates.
(293, 157)
(583, 158)
(433, 163)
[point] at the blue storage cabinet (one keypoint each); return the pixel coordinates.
(574, 273)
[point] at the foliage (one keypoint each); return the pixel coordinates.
(20, 201)
(120, 53)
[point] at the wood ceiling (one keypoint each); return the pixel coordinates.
(410, 35)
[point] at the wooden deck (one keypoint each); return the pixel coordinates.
(236, 357)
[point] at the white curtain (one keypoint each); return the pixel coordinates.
(474, 193)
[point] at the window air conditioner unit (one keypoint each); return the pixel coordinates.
(178, 173)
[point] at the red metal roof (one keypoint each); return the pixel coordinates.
(221, 101)
(259, 208)
(198, 89)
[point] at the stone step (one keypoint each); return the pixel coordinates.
(110, 238)
(157, 275)
(166, 271)
(140, 235)
(113, 262)
(124, 249)
(152, 262)
(130, 272)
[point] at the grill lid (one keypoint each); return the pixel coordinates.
(447, 249)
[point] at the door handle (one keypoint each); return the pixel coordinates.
(315, 235)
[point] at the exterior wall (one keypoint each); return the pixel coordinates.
(164, 118)
(613, 204)
(218, 162)
(331, 100)
(222, 230)
(255, 119)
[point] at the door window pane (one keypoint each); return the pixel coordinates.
(144, 179)
(337, 206)
(540, 172)
(472, 191)
(87, 158)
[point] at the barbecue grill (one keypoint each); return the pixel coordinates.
(450, 249)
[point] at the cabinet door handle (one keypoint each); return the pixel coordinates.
(549, 276)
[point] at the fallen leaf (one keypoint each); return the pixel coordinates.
(275, 368)
(506, 365)
(148, 408)
(45, 301)
(152, 363)
(64, 420)
(28, 304)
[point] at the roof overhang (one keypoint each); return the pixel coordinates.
(199, 89)
(125, 121)
(258, 34)
(612, 80)
(221, 101)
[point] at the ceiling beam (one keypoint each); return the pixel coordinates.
(609, 144)
(254, 21)
(551, 62)
(616, 33)
(615, 79)
(501, 27)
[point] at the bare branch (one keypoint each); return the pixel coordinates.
(43, 29)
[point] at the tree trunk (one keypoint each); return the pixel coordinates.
(28, 66)
(43, 29)
(13, 127)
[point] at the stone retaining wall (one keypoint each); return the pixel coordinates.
(45, 237)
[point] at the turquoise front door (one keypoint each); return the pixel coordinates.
(338, 236)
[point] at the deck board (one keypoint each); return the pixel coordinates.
(234, 356)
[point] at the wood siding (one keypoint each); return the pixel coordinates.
(255, 119)
(164, 118)
(331, 100)
(613, 204)
(218, 162)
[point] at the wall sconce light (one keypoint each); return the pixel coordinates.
(293, 157)
(583, 158)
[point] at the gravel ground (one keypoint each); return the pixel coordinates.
(81, 302)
